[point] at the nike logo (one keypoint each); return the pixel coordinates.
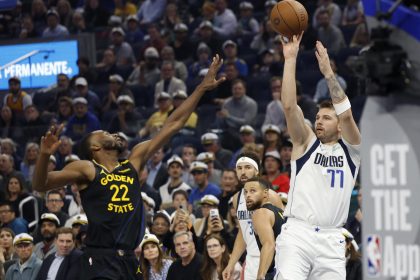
(341, 241)
(241, 202)
(124, 171)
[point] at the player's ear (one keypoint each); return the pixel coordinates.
(94, 147)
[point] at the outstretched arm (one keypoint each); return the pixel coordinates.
(298, 130)
(177, 119)
(349, 129)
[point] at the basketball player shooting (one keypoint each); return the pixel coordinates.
(324, 169)
(110, 189)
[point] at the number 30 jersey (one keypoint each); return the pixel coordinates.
(114, 207)
(321, 183)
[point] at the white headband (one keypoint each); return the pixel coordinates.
(247, 160)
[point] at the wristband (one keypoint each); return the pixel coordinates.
(342, 106)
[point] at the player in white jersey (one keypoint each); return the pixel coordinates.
(247, 167)
(324, 169)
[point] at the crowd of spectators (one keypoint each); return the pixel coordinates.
(150, 56)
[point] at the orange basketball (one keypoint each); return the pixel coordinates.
(289, 17)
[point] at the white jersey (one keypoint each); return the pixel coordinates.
(321, 183)
(166, 196)
(252, 250)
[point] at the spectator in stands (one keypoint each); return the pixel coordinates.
(353, 13)
(127, 120)
(27, 166)
(95, 15)
(7, 170)
(124, 8)
(353, 257)
(200, 172)
(153, 262)
(156, 120)
(179, 201)
(7, 252)
(82, 90)
(78, 23)
(82, 122)
(214, 173)
(188, 154)
(225, 22)
(203, 62)
(237, 110)
(210, 142)
(224, 91)
(9, 147)
(27, 28)
(232, 219)
(64, 149)
(54, 29)
(286, 156)
(8, 218)
(147, 72)
(151, 11)
(206, 34)
(65, 12)
(116, 89)
(175, 183)
(133, 33)
(178, 98)
(169, 83)
(271, 138)
(158, 172)
(48, 223)
(85, 70)
(7, 123)
(207, 203)
(329, 34)
(216, 258)
(265, 39)
(230, 51)
(168, 54)
(54, 203)
(160, 228)
(17, 99)
(247, 136)
(272, 166)
(39, 15)
(360, 37)
(107, 66)
(171, 17)
(189, 263)
(322, 92)
(52, 163)
(155, 38)
(123, 51)
(60, 89)
(247, 24)
(34, 125)
(333, 10)
(228, 184)
(28, 265)
(64, 264)
(274, 114)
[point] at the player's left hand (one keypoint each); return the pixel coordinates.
(209, 82)
(323, 60)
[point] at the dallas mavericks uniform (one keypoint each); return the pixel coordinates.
(321, 184)
(252, 250)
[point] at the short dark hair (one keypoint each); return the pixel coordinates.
(53, 192)
(65, 230)
(85, 153)
(251, 155)
(181, 192)
(239, 81)
(228, 170)
(263, 183)
(190, 146)
(326, 104)
(10, 204)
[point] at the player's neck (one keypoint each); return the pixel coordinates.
(108, 160)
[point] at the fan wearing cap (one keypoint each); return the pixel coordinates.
(200, 172)
(208, 224)
(182, 44)
(48, 223)
(247, 136)
(82, 121)
(128, 119)
(157, 119)
(214, 174)
(175, 166)
(153, 262)
(82, 90)
(230, 50)
(247, 24)
(17, 99)
(177, 98)
(211, 144)
(110, 189)
(147, 72)
(123, 51)
(116, 89)
(54, 28)
(76, 222)
(203, 62)
(272, 165)
(271, 138)
(28, 265)
(168, 82)
(133, 33)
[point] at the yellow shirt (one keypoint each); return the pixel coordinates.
(192, 121)
(129, 9)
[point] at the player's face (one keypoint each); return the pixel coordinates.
(214, 248)
(245, 171)
(64, 244)
(108, 141)
(183, 246)
(326, 125)
(175, 170)
(254, 195)
(151, 251)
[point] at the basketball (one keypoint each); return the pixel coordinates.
(288, 18)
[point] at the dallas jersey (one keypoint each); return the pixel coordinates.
(252, 249)
(321, 183)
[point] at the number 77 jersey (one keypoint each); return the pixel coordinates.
(321, 183)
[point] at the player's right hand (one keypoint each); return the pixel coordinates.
(227, 273)
(291, 47)
(50, 142)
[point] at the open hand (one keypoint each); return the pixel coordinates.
(209, 82)
(323, 60)
(50, 142)
(291, 48)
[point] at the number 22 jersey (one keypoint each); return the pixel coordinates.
(114, 207)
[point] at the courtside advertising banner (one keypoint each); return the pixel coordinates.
(391, 188)
(37, 64)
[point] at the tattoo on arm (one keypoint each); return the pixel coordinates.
(336, 92)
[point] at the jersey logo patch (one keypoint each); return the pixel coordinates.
(124, 170)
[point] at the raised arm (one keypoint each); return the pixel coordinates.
(262, 221)
(177, 119)
(298, 130)
(349, 130)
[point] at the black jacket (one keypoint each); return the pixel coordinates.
(69, 268)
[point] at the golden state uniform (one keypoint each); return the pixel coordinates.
(114, 207)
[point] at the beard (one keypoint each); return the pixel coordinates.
(254, 205)
(113, 146)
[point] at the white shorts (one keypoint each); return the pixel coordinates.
(251, 267)
(304, 251)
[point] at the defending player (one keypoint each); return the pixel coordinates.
(110, 189)
(247, 167)
(267, 220)
(324, 169)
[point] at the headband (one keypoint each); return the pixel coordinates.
(247, 160)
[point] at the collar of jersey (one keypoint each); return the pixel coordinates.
(106, 169)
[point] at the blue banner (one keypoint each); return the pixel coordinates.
(38, 64)
(7, 4)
